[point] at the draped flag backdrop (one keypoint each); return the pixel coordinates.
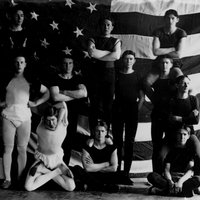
(65, 25)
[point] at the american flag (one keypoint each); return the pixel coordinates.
(65, 25)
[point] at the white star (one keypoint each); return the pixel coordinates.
(44, 43)
(78, 31)
(69, 3)
(67, 51)
(86, 54)
(92, 7)
(34, 15)
(13, 3)
(54, 25)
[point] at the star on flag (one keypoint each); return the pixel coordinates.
(54, 25)
(34, 15)
(92, 7)
(67, 51)
(78, 32)
(69, 3)
(44, 43)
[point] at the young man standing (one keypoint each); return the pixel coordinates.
(104, 50)
(168, 40)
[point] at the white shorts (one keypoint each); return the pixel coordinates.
(50, 161)
(17, 114)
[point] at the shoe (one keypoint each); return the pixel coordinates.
(6, 184)
(111, 188)
(156, 191)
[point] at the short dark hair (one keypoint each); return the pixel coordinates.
(128, 52)
(186, 128)
(104, 18)
(50, 111)
(180, 78)
(100, 122)
(171, 12)
(167, 57)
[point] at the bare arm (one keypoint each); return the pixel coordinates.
(105, 55)
(89, 165)
(186, 176)
(141, 99)
(81, 92)
(168, 176)
(174, 52)
(45, 91)
(57, 96)
(63, 113)
(113, 163)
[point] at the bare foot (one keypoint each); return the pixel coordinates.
(65, 170)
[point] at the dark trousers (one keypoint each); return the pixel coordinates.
(128, 118)
(101, 94)
(162, 183)
(70, 138)
(158, 128)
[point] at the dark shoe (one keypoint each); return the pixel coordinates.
(111, 188)
(156, 191)
(6, 184)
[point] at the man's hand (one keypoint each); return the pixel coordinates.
(178, 187)
(194, 113)
(32, 104)
(177, 118)
(89, 160)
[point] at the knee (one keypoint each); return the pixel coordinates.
(70, 186)
(21, 149)
(28, 186)
(8, 148)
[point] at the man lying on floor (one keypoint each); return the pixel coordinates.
(49, 155)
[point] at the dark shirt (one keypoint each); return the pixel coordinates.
(103, 43)
(127, 88)
(68, 84)
(179, 159)
(100, 155)
(164, 90)
(169, 40)
(183, 108)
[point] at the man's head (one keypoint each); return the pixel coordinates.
(50, 117)
(67, 64)
(182, 83)
(166, 63)
(100, 131)
(106, 25)
(171, 18)
(19, 63)
(128, 58)
(183, 135)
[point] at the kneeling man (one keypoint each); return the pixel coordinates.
(49, 155)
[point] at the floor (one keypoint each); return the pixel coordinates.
(137, 192)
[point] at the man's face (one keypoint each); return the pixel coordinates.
(67, 66)
(182, 137)
(165, 65)
(129, 61)
(20, 64)
(171, 20)
(51, 122)
(183, 85)
(18, 17)
(106, 27)
(100, 133)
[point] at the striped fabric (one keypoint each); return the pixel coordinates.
(65, 26)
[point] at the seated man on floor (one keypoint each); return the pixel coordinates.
(179, 178)
(49, 155)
